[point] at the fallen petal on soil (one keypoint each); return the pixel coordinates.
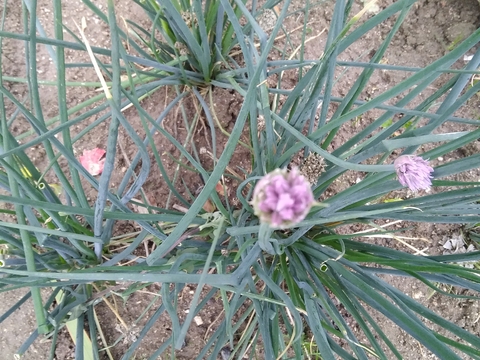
(92, 161)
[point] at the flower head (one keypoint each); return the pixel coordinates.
(414, 172)
(282, 198)
(93, 161)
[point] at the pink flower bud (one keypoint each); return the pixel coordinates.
(282, 198)
(414, 172)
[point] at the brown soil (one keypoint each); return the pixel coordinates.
(431, 28)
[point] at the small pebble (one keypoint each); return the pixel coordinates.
(198, 320)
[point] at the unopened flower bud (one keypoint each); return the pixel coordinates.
(414, 172)
(282, 198)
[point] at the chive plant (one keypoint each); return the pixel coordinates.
(285, 280)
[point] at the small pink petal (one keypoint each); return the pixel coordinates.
(92, 161)
(285, 201)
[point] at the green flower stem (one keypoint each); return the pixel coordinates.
(27, 245)
(54, 82)
(42, 325)
(266, 242)
(62, 105)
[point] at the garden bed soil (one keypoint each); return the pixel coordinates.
(431, 28)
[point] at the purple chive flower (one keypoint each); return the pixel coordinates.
(282, 198)
(414, 172)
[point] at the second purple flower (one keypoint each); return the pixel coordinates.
(414, 172)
